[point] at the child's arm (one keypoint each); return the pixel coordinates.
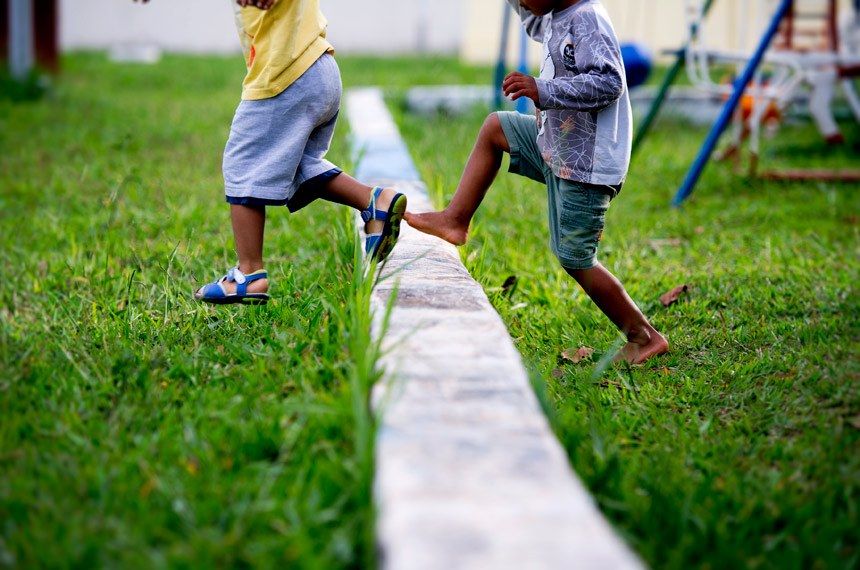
(534, 25)
(599, 78)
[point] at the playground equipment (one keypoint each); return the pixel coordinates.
(807, 53)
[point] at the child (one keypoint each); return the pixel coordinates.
(280, 135)
(578, 145)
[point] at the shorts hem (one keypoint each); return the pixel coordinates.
(271, 193)
(578, 265)
(252, 201)
(307, 192)
(310, 189)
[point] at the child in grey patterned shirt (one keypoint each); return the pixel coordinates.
(578, 145)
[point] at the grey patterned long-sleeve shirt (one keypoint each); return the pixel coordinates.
(585, 121)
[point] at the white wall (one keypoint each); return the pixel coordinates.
(468, 27)
(173, 25)
(395, 26)
(659, 24)
(366, 26)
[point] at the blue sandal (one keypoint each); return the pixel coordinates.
(216, 294)
(378, 246)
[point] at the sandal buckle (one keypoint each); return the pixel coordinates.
(236, 276)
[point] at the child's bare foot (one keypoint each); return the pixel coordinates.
(439, 224)
(642, 346)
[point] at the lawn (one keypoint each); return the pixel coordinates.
(140, 429)
(742, 447)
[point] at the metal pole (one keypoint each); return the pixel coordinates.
(20, 38)
(523, 103)
(668, 81)
(501, 67)
(731, 105)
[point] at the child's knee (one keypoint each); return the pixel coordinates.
(493, 133)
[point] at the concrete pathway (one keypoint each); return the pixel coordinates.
(468, 473)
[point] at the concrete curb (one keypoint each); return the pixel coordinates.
(468, 472)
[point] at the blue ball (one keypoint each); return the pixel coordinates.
(637, 63)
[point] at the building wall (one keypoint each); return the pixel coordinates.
(366, 26)
(471, 28)
(174, 25)
(734, 25)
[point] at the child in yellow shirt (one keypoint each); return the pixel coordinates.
(281, 131)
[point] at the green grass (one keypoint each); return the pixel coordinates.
(742, 447)
(138, 429)
(142, 429)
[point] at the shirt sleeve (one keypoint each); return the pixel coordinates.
(598, 79)
(534, 25)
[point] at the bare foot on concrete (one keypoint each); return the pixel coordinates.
(643, 346)
(439, 224)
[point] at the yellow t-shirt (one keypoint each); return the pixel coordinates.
(280, 44)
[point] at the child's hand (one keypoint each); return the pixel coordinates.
(261, 4)
(518, 85)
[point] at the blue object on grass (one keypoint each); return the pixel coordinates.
(638, 64)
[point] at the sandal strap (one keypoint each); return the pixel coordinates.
(371, 212)
(242, 281)
(371, 243)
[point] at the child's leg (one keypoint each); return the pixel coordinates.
(249, 223)
(452, 224)
(607, 292)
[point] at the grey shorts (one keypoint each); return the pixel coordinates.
(577, 211)
(276, 151)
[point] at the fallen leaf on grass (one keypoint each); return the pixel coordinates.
(509, 286)
(578, 355)
(700, 230)
(672, 296)
(557, 373)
